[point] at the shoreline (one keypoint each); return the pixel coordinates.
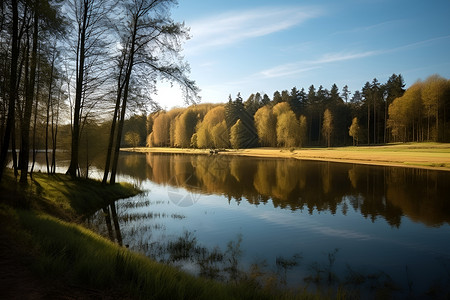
(430, 156)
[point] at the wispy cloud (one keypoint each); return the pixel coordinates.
(298, 67)
(233, 27)
(286, 70)
(342, 56)
(305, 66)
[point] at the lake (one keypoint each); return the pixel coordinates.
(305, 223)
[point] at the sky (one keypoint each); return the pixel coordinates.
(264, 46)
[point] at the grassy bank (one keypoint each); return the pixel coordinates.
(434, 156)
(46, 253)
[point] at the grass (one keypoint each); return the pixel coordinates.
(40, 221)
(61, 196)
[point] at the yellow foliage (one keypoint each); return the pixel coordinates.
(266, 123)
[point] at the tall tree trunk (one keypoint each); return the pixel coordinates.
(113, 123)
(35, 120)
(13, 151)
(375, 140)
(25, 134)
(129, 69)
(73, 167)
(368, 122)
(385, 132)
(49, 103)
(12, 87)
(55, 132)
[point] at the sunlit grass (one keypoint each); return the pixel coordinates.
(62, 196)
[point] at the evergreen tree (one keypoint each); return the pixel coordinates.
(295, 101)
(345, 93)
(276, 98)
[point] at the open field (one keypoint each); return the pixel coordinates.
(434, 156)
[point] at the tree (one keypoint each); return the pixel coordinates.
(394, 88)
(288, 129)
(302, 134)
(10, 123)
(354, 131)
(161, 130)
(433, 92)
(237, 135)
(151, 45)
(185, 128)
(367, 94)
(89, 17)
(132, 138)
(266, 123)
(327, 127)
(277, 98)
(281, 108)
(219, 132)
(205, 137)
(345, 93)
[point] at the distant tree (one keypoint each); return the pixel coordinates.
(367, 94)
(394, 88)
(288, 129)
(295, 100)
(266, 123)
(285, 96)
(132, 138)
(281, 108)
(345, 93)
(237, 135)
(434, 90)
(232, 109)
(219, 132)
(302, 135)
(327, 127)
(161, 130)
(253, 103)
(335, 98)
(277, 98)
(354, 131)
(357, 98)
(406, 114)
(185, 128)
(204, 135)
(265, 100)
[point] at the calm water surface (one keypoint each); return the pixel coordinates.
(313, 223)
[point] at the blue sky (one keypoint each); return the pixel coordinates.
(264, 46)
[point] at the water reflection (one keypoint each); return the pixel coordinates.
(386, 192)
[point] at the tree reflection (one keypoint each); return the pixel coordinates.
(376, 192)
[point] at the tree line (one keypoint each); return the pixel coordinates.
(87, 61)
(379, 113)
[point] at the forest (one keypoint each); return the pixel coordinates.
(378, 114)
(70, 66)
